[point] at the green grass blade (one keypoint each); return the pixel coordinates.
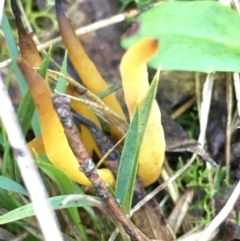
(10, 185)
(128, 166)
(13, 52)
(7, 161)
(146, 108)
(129, 159)
(8, 200)
(44, 65)
(27, 210)
(25, 112)
(109, 91)
(62, 83)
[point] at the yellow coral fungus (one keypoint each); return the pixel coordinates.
(84, 66)
(134, 74)
(54, 139)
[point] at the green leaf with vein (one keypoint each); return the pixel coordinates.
(194, 35)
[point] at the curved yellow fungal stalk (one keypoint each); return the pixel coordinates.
(84, 65)
(134, 74)
(54, 139)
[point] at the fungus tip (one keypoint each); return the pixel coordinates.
(155, 43)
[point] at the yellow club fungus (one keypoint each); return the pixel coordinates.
(134, 74)
(54, 139)
(84, 66)
(27, 46)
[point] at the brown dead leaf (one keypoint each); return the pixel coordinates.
(178, 141)
(150, 219)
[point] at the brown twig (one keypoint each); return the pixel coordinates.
(161, 228)
(61, 105)
(105, 146)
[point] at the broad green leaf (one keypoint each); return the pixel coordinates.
(129, 160)
(27, 210)
(66, 187)
(10, 185)
(194, 35)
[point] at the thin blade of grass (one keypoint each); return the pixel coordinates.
(62, 83)
(25, 112)
(129, 160)
(13, 52)
(45, 63)
(56, 203)
(8, 201)
(128, 166)
(7, 160)
(109, 91)
(10, 185)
